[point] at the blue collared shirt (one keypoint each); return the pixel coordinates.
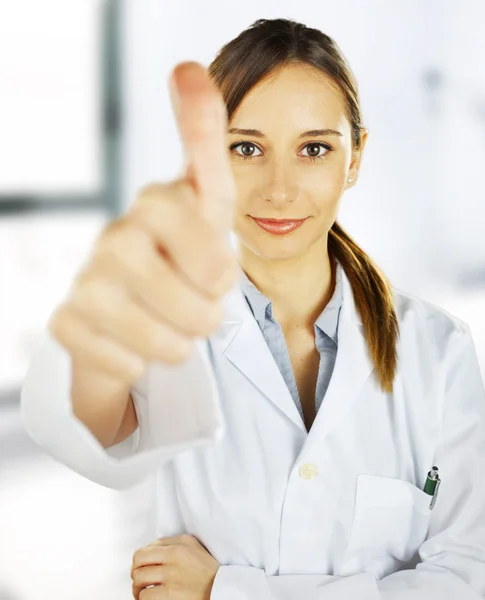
(326, 336)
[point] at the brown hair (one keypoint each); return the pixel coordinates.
(263, 48)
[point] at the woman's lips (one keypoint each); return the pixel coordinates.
(278, 227)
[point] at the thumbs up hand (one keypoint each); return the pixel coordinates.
(157, 274)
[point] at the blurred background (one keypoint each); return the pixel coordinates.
(86, 120)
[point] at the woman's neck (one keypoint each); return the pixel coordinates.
(299, 289)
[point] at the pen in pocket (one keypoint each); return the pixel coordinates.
(432, 485)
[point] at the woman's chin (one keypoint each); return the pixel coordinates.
(276, 251)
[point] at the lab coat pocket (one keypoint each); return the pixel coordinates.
(390, 523)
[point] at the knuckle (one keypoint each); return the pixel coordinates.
(222, 255)
(107, 246)
(126, 243)
(135, 252)
(163, 342)
(171, 213)
(181, 350)
(221, 260)
(136, 576)
(111, 231)
(178, 552)
(211, 318)
(226, 280)
(135, 369)
(94, 296)
(211, 270)
(135, 559)
(167, 213)
(59, 323)
(155, 339)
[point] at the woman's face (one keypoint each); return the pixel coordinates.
(284, 173)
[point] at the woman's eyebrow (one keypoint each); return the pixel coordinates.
(310, 133)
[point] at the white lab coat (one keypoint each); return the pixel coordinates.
(334, 514)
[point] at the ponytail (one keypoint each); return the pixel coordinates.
(373, 297)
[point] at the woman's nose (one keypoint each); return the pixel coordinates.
(281, 192)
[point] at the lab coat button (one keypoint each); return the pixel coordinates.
(308, 471)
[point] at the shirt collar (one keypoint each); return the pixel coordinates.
(261, 306)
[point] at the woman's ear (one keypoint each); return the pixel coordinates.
(354, 166)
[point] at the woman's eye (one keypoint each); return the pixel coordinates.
(247, 154)
(315, 148)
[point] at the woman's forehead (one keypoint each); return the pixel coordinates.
(294, 99)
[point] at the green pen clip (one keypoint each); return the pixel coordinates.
(432, 485)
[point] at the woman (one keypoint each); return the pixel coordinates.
(289, 404)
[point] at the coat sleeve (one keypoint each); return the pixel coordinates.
(452, 558)
(177, 408)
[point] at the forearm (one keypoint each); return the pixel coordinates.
(101, 404)
(249, 583)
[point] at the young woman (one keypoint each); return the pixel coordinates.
(288, 401)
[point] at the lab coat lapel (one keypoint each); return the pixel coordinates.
(241, 341)
(353, 366)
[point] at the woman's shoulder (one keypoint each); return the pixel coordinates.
(410, 305)
(420, 320)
